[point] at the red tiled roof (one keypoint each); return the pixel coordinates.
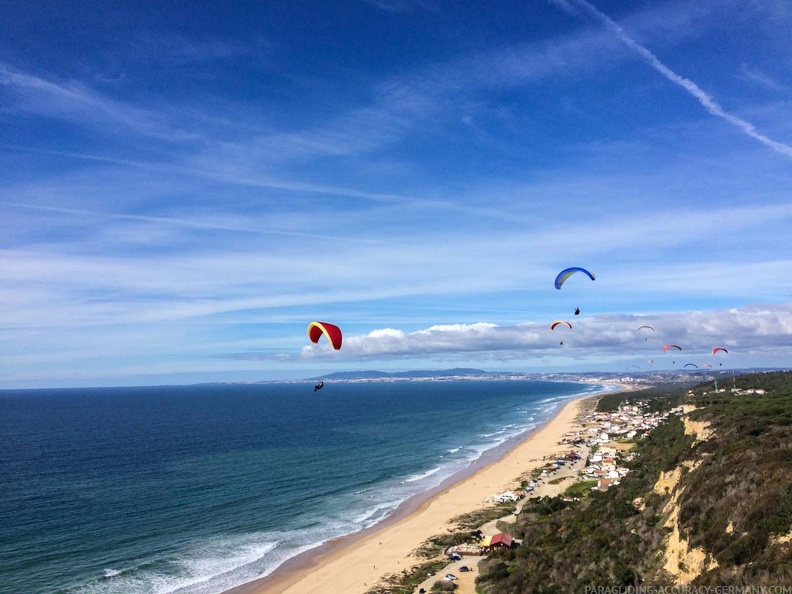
(501, 538)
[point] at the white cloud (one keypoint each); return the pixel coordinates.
(165, 246)
(386, 333)
(82, 282)
(401, 6)
(74, 101)
(185, 50)
(741, 331)
(757, 77)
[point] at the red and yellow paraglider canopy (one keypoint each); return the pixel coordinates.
(333, 333)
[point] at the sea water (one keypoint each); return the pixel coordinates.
(197, 489)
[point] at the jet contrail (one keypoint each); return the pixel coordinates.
(692, 88)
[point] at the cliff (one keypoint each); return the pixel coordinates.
(708, 502)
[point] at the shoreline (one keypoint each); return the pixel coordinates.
(357, 562)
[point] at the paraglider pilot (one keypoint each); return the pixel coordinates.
(577, 311)
(318, 386)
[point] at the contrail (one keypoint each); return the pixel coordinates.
(692, 88)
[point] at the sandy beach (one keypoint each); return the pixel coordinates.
(354, 564)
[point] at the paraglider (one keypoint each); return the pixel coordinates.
(558, 323)
(691, 365)
(672, 346)
(718, 350)
(577, 311)
(319, 386)
(567, 272)
(644, 328)
(331, 331)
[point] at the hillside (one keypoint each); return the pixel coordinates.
(457, 372)
(707, 502)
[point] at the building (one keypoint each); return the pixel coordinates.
(501, 540)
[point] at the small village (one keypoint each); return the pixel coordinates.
(592, 455)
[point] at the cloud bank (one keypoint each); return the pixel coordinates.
(749, 329)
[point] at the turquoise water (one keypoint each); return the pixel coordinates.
(197, 489)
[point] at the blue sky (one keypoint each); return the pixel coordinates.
(185, 186)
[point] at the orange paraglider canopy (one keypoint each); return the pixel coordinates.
(333, 333)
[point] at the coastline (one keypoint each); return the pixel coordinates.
(355, 563)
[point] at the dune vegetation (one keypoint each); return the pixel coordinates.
(708, 501)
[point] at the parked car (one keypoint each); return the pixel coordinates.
(464, 569)
(450, 577)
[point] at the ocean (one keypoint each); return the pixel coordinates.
(198, 489)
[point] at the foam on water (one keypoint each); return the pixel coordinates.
(222, 565)
(422, 475)
(318, 507)
(375, 514)
(199, 569)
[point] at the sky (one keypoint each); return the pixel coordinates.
(187, 185)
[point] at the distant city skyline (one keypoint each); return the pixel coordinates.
(186, 187)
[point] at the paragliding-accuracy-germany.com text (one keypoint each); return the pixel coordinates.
(688, 589)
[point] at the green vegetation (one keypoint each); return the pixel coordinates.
(437, 544)
(408, 580)
(475, 519)
(558, 480)
(433, 549)
(733, 499)
(734, 502)
(599, 541)
(440, 586)
(580, 489)
(657, 398)
(738, 502)
(465, 524)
